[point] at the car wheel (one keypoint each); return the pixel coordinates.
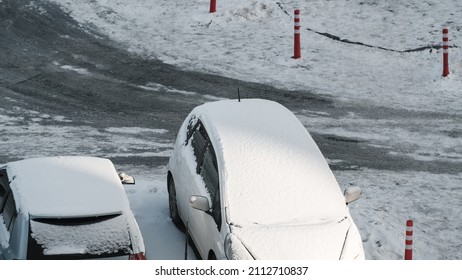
(173, 206)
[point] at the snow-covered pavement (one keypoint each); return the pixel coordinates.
(252, 40)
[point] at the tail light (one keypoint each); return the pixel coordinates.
(137, 257)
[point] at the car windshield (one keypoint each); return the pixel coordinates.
(79, 238)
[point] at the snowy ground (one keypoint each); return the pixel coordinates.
(260, 32)
(252, 40)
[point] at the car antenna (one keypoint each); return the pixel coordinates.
(238, 95)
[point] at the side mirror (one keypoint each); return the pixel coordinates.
(352, 194)
(126, 179)
(200, 203)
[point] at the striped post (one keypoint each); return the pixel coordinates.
(409, 233)
(297, 51)
(213, 6)
(445, 52)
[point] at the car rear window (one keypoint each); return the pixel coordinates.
(79, 238)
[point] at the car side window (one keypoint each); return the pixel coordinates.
(7, 203)
(2, 194)
(192, 125)
(209, 173)
(207, 165)
(3, 187)
(199, 142)
(9, 211)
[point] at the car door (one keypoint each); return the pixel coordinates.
(183, 169)
(205, 227)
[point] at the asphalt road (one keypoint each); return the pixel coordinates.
(105, 89)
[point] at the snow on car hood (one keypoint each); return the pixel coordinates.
(304, 241)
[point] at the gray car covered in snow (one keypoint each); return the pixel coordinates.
(66, 208)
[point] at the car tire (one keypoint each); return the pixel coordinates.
(173, 206)
(212, 256)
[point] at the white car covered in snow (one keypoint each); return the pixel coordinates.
(66, 208)
(247, 181)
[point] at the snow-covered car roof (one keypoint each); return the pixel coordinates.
(271, 169)
(66, 186)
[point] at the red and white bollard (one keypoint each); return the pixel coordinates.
(213, 6)
(409, 233)
(297, 51)
(445, 52)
